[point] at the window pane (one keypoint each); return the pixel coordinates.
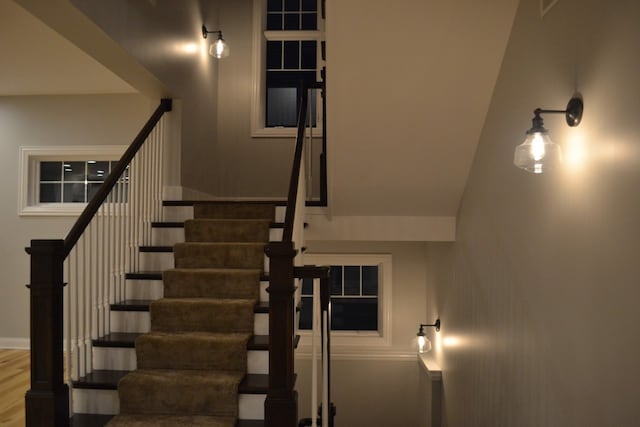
(336, 280)
(354, 314)
(306, 313)
(73, 193)
(281, 106)
(369, 280)
(291, 54)
(92, 189)
(292, 21)
(307, 286)
(308, 60)
(74, 171)
(274, 5)
(309, 21)
(274, 55)
(274, 21)
(50, 193)
(97, 171)
(309, 5)
(352, 280)
(50, 171)
(292, 5)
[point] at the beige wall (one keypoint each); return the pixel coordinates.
(245, 166)
(48, 121)
(166, 38)
(539, 296)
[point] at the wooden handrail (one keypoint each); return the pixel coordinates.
(92, 207)
(292, 198)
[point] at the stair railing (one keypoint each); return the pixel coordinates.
(92, 260)
(285, 267)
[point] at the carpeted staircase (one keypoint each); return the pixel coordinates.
(190, 364)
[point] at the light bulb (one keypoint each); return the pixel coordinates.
(424, 345)
(538, 153)
(219, 49)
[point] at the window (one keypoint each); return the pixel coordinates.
(360, 299)
(287, 35)
(61, 180)
(354, 298)
(73, 181)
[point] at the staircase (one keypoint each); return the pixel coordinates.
(189, 344)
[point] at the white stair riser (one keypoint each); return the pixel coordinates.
(140, 321)
(258, 362)
(124, 359)
(87, 401)
(281, 212)
(153, 289)
(114, 358)
(251, 406)
(144, 289)
(167, 236)
(156, 261)
(275, 234)
(161, 261)
(177, 213)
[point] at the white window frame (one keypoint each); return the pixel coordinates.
(357, 342)
(30, 158)
(258, 70)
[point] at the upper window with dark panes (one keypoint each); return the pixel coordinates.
(290, 63)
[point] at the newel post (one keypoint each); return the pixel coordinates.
(47, 401)
(281, 404)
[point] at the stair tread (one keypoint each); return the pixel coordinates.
(128, 339)
(157, 275)
(143, 304)
(96, 420)
(132, 305)
(90, 420)
(220, 202)
(180, 224)
(108, 380)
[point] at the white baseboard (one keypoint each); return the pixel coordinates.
(15, 343)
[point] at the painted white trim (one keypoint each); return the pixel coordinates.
(361, 353)
(28, 181)
(381, 228)
(430, 366)
(353, 341)
(293, 35)
(15, 343)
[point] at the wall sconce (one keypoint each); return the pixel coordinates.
(538, 153)
(424, 344)
(219, 49)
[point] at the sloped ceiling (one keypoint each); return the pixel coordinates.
(38, 61)
(409, 86)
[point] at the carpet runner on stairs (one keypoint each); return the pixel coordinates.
(190, 365)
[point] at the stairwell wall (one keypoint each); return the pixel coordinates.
(538, 296)
(48, 121)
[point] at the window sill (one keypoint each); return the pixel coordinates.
(52, 210)
(430, 366)
(282, 132)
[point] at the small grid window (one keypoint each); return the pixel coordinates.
(292, 15)
(354, 298)
(76, 181)
(291, 59)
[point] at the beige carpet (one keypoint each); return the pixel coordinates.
(191, 363)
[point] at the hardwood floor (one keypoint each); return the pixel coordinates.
(14, 383)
